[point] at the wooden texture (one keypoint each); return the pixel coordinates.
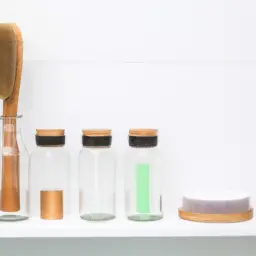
(10, 194)
(8, 55)
(143, 132)
(97, 132)
(216, 218)
(50, 132)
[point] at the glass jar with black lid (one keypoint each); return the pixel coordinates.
(97, 176)
(49, 191)
(143, 176)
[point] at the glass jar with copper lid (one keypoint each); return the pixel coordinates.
(143, 176)
(97, 176)
(49, 176)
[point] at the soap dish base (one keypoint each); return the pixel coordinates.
(216, 218)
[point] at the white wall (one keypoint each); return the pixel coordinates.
(185, 67)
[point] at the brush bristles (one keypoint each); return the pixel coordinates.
(8, 53)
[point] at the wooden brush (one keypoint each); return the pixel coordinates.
(11, 59)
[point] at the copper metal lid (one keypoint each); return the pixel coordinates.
(97, 132)
(50, 132)
(143, 132)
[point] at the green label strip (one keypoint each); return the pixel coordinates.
(142, 187)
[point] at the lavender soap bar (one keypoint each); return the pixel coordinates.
(216, 206)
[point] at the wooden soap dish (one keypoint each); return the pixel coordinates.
(216, 218)
(216, 206)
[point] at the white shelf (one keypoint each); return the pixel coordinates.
(123, 228)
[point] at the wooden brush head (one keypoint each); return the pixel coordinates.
(11, 59)
(8, 59)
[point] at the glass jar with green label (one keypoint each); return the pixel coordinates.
(143, 181)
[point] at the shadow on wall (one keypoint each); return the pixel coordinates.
(128, 247)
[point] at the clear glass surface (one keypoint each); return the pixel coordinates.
(49, 171)
(97, 183)
(143, 184)
(14, 162)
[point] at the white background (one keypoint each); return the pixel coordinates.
(185, 67)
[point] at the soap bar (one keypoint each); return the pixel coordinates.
(216, 202)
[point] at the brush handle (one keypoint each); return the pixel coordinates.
(10, 169)
(10, 194)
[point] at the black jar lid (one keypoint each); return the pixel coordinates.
(143, 138)
(97, 138)
(50, 137)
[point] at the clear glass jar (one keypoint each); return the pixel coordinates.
(49, 191)
(97, 176)
(14, 162)
(143, 176)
